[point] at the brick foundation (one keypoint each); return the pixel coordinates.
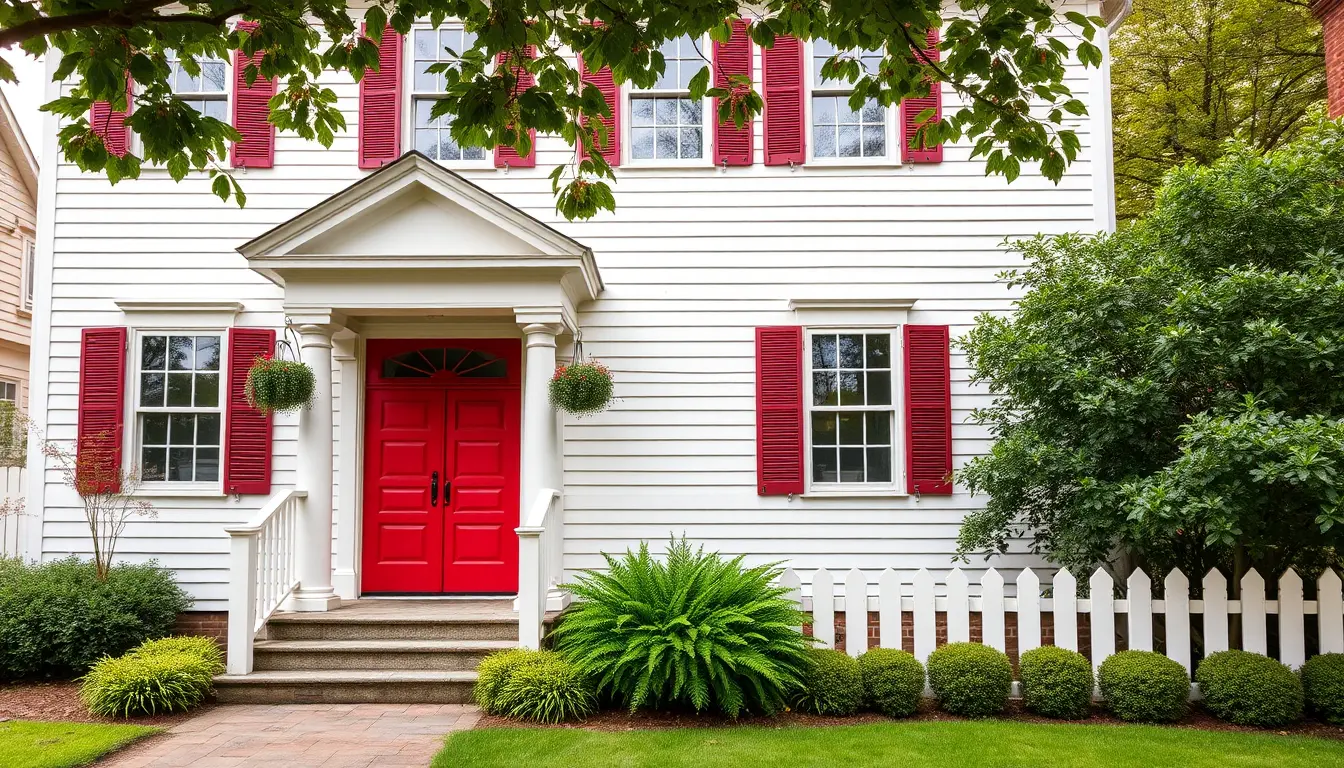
(208, 623)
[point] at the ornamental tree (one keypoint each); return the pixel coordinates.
(1006, 58)
(1173, 391)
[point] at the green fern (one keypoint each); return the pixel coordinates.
(693, 630)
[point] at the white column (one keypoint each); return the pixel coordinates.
(315, 592)
(345, 579)
(539, 434)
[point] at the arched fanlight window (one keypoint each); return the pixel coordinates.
(445, 362)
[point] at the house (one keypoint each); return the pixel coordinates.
(18, 253)
(777, 306)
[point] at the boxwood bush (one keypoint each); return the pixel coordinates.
(1143, 686)
(495, 670)
(147, 684)
(57, 618)
(545, 689)
(832, 684)
(970, 679)
(1323, 684)
(893, 681)
(1249, 689)
(1056, 682)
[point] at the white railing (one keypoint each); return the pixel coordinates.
(540, 538)
(13, 518)
(262, 572)
(916, 594)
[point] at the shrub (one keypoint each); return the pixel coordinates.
(1142, 686)
(970, 679)
(832, 684)
(1249, 689)
(546, 689)
(203, 648)
(57, 618)
(494, 672)
(893, 681)
(633, 628)
(1323, 684)
(1056, 682)
(146, 684)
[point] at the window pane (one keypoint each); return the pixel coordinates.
(212, 75)
(851, 351)
(427, 141)
(874, 141)
(847, 141)
(207, 464)
(153, 353)
(823, 388)
(425, 82)
(851, 388)
(207, 353)
(151, 390)
(216, 108)
(152, 463)
(181, 352)
(879, 350)
(873, 112)
(851, 465)
(824, 468)
(851, 428)
(690, 111)
(823, 110)
(665, 111)
(641, 111)
(879, 388)
(425, 44)
(641, 143)
(179, 464)
(154, 429)
(423, 107)
(207, 390)
(879, 427)
(473, 153)
(691, 142)
(207, 429)
(448, 149)
(879, 465)
(179, 390)
(666, 143)
(823, 428)
(182, 429)
(844, 114)
(823, 351)
(185, 83)
(823, 141)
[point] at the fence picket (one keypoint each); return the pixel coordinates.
(1140, 589)
(926, 635)
(1028, 611)
(1330, 606)
(1066, 610)
(823, 607)
(1103, 616)
(790, 581)
(991, 610)
(1176, 598)
(1254, 637)
(1292, 624)
(958, 608)
(889, 610)
(1215, 611)
(856, 613)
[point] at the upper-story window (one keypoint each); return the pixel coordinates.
(432, 135)
(666, 124)
(838, 130)
(852, 420)
(207, 92)
(178, 407)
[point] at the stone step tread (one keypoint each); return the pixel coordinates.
(346, 676)
(336, 617)
(384, 646)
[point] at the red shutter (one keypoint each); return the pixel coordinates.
(732, 145)
(102, 395)
(247, 433)
(779, 410)
(928, 410)
(111, 125)
(911, 108)
(782, 73)
(251, 110)
(611, 91)
(380, 106)
(505, 155)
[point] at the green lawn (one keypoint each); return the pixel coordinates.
(25, 744)
(987, 744)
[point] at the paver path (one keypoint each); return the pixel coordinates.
(303, 736)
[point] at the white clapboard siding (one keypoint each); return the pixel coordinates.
(14, 518)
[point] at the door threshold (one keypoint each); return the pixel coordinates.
(444, 598)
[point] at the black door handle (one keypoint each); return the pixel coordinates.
(434, 489)
(447, 493)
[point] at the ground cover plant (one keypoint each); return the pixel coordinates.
(26, 744)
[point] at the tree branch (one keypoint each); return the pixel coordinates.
(130, 15)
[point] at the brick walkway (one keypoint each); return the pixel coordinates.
(303, 736)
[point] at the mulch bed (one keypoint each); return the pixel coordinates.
(60, 702)
(621, 720)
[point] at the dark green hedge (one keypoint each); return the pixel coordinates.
(1145, 687)
(1249, 689)
(970, 679)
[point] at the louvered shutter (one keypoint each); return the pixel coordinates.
(509, 156)
(102, 397)
(732, 145)
(779, 410)
(251, 108)
(111, 124)
(911, 109)
(782, 73)
(611, 91)
(928, 409)
(380, 106)
(247, 432)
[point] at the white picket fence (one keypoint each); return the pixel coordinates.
(12, 525)
(917, 594)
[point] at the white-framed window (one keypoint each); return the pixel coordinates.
(207, 92)
(430, 46)
(29, 271)
(853, 421)
(178, 406)
(665, 125)
(9, 391)
(840, 133)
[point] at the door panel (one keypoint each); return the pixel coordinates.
(480, 546)
(403, 525)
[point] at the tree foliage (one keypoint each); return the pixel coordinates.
(1173, 390)
(1006, 58)
(1190, 74)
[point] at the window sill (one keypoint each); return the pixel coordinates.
(660, 165)
(25, 313)
(163, 492)
(857, 494)
(829, 163)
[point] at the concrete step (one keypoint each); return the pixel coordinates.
(453, 655)
(346, 687)
(338, 626)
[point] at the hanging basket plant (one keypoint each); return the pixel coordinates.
(279, 385)
(582, 387)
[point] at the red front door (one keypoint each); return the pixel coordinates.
(441, 468)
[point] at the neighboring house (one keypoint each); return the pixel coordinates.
(18, 255)
(776, 305)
